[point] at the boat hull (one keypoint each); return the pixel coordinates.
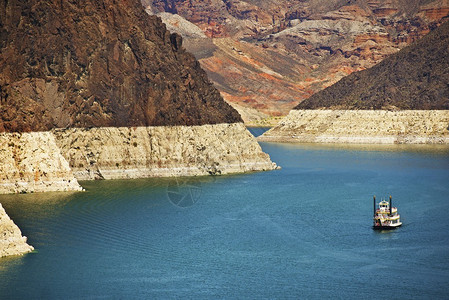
(386, 227)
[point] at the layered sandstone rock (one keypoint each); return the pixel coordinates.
(11, 240)
(267, 56)
(110, 153)
(32, 162)
(362, 127)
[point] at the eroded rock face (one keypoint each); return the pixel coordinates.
(55, 160)
(268, 56)
(96, 66)
(362, 127)
(416, 77)
(98, 63)
(32, 162)
(11, 240)
(137, 152)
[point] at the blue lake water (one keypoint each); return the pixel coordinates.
(300, 232)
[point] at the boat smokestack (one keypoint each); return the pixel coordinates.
(391, 206)
(374, 201)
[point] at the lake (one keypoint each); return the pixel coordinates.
(300, 232)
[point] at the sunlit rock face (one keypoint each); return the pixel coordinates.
(403, 99)
(11, 240)
(265, 57)
(137, 152)
(362, 127)
(414, 78)
(32, 162)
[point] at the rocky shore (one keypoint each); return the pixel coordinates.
(32, 162)
(55, 160)
(11, 240)
(164, 151)
(362, 127)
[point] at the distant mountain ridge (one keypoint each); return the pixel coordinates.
(265, 57)
(417, 77)
(98, 63)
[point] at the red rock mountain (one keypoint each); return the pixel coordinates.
(71, 63)
(417, 77)
(270, 55)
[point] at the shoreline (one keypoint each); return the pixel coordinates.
(362, 127)
(55, 160)
(168, 151)
(374, 140)
(32, 162)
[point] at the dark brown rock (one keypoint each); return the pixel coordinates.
(417, 77)
(70, 63)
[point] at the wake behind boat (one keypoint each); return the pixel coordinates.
(384, 217)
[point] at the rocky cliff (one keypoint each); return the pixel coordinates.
(95, 66)
(136, 152)
(11, 240)
(32, 162)
(54, 161)
(362, 127)
(267, 56)
(98, 63)
(417, 77)
(111, 83)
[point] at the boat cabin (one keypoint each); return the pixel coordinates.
(385, 215)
